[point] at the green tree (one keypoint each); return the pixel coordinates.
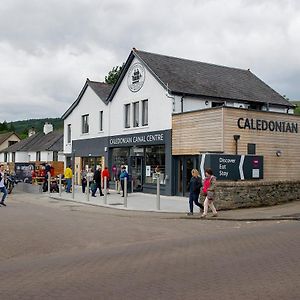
(114, 74)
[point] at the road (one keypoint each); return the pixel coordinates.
(61, 250)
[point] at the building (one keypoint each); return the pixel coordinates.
(42, 146)
(7, 139)
(159, 108)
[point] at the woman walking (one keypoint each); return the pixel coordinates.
(195, 186)
(208, 190)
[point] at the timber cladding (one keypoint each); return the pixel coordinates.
(212, 130)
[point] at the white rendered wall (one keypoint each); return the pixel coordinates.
(31, 156)
(159, 106)
(21, 157)
(46, 156)
(89, 104)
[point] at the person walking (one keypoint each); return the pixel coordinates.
(195, 186)
(68, 176)
(2, 185)
(105, 173)
(209, 185)
(123, 175)
(97, 179)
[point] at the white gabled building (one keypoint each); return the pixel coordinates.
(131, 122)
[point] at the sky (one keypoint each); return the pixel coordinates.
(48, 48)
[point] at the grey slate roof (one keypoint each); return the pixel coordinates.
(52, 141)
(101, 89)
(196, 78)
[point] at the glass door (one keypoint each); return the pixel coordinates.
(137, 177)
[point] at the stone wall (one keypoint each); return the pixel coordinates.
(240, 194)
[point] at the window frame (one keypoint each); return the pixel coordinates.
(127, 115)
(85, 124)
(101, 120)
(136, 113)
(69, 133)
(144, 119)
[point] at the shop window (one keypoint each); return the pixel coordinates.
(155, 161)
(136, 114)
(101, 120)
(127, 115)
(85, 124)
(120, 157)
(145, 112)
(252, 149)
(69, 134)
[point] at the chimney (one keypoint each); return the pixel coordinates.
(48, 128)
(31, 132)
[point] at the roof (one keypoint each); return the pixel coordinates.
(101, 89)
(195, 78)
(6, 135)
(52, 141)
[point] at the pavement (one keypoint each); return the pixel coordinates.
(179, 206)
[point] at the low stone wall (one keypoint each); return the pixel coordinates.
(240, 194)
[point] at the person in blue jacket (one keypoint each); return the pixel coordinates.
(123, 175)
(195, 186)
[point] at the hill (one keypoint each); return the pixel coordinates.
(21, 127)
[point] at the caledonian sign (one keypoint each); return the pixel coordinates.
(258, 124)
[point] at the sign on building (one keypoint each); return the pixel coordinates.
(233, 167)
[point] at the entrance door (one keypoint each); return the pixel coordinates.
(137, 173)
(184, 166)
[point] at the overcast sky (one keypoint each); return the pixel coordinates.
(48, 48)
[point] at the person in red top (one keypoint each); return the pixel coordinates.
(105, 173)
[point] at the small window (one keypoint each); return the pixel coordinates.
(10, 143)
(13, 158)
(136, 114)
(69, 134)
(5, 157)
(38, 156)
(101, 120)
(145, 112)
(55, 156)
(252, 149)
(216, 104)
(85, 123)
(127, 115)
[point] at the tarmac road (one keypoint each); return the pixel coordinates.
(62, 250)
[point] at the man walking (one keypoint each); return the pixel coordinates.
(2, 185)
(97, 179)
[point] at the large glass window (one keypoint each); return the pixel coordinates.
(120, 156)
(90, 163)
(127, 115)
(101, 120)
(85, 123)
(136, 114)
(145, 112)
(155, 162)
(69, 133)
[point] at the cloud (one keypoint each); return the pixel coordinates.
(53, 46)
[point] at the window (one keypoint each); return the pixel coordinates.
(155, 156)
(69, 133)
(55, 156)
(127, 116)
(11, 143)
(38, 156)
(13, 158)
(5, 157)
(145, 112)
(101, 120)
(136, 114)
(251, 148)
(85, 123)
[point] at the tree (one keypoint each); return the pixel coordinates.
(3, 126)
(114, 74)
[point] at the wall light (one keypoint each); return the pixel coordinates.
(278, 153)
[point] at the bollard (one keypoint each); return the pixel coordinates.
(59, 185)
(105, 190)
(87, 189)
(49, 182)
(125, 192)
(158, 192)
(73, 188)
